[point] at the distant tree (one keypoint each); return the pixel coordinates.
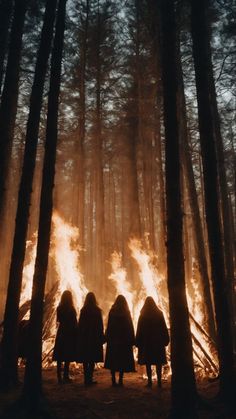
(82, 116)
(153, 21)
(183, 387)
(33, 373)
(9, 341)
(100, 64)
(204, 83)
(143, 113)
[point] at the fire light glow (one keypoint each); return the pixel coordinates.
(65, 252)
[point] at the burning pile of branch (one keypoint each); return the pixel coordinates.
(150, 282)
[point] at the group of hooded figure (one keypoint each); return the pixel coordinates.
(83, 341)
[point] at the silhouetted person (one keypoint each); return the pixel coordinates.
(90, 337)
(65, 342)
(151, 338)
(120, 340)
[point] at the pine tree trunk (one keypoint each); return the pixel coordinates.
(193, 202)
(160, 175)
(6, 7)
(9, 100)
(199, 240)
(80, 167)
(154, 22)
(98, 182)
(33, 379)
(9, 341)
(202, 62)
(227, 226)
(183, 387)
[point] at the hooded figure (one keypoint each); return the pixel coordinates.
(65, 342)
(90, 337)
(120, 340)
(151, 338)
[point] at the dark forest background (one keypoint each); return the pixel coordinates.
(142, 140)
(110, 155)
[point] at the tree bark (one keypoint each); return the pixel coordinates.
(202, 63)
(97, 176)
(80, 166)
(33, 378)
(10, 92)
(183, 387)
(227, 225)
(9, 341)
(198, 238)
(6, 7)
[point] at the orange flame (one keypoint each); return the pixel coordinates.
(65, 252)
(152, 283)
(28, 271)
(119, 277)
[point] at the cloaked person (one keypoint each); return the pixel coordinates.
(90, 337)
(151, 339)
(65, 342)
(120, 340)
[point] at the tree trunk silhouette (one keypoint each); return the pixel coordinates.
(9, 99)
(6, 7)
(202, 63)
(183, 387)
(33, 379)
(188, 173)
(97, 170)
(227, 225)
(79, 147)
(9, 341)
(154, 11)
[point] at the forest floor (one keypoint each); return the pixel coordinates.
(102, 401)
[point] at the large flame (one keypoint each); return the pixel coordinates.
(28, 271)
(119, 277)
(65, 254)
(152, 283)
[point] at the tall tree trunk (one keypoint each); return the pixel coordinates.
(203, 66)
(154, 21)
(158, 153)
(198, 238)
(97, 179)
(33, 378)
(9, 341)
(82, 129)
(193, 202)
(227, 226)
(5, 17)
(9, 100)
(183, 387)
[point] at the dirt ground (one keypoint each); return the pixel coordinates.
(102, 401)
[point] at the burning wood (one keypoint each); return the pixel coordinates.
(206, 360)
(65, 254)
